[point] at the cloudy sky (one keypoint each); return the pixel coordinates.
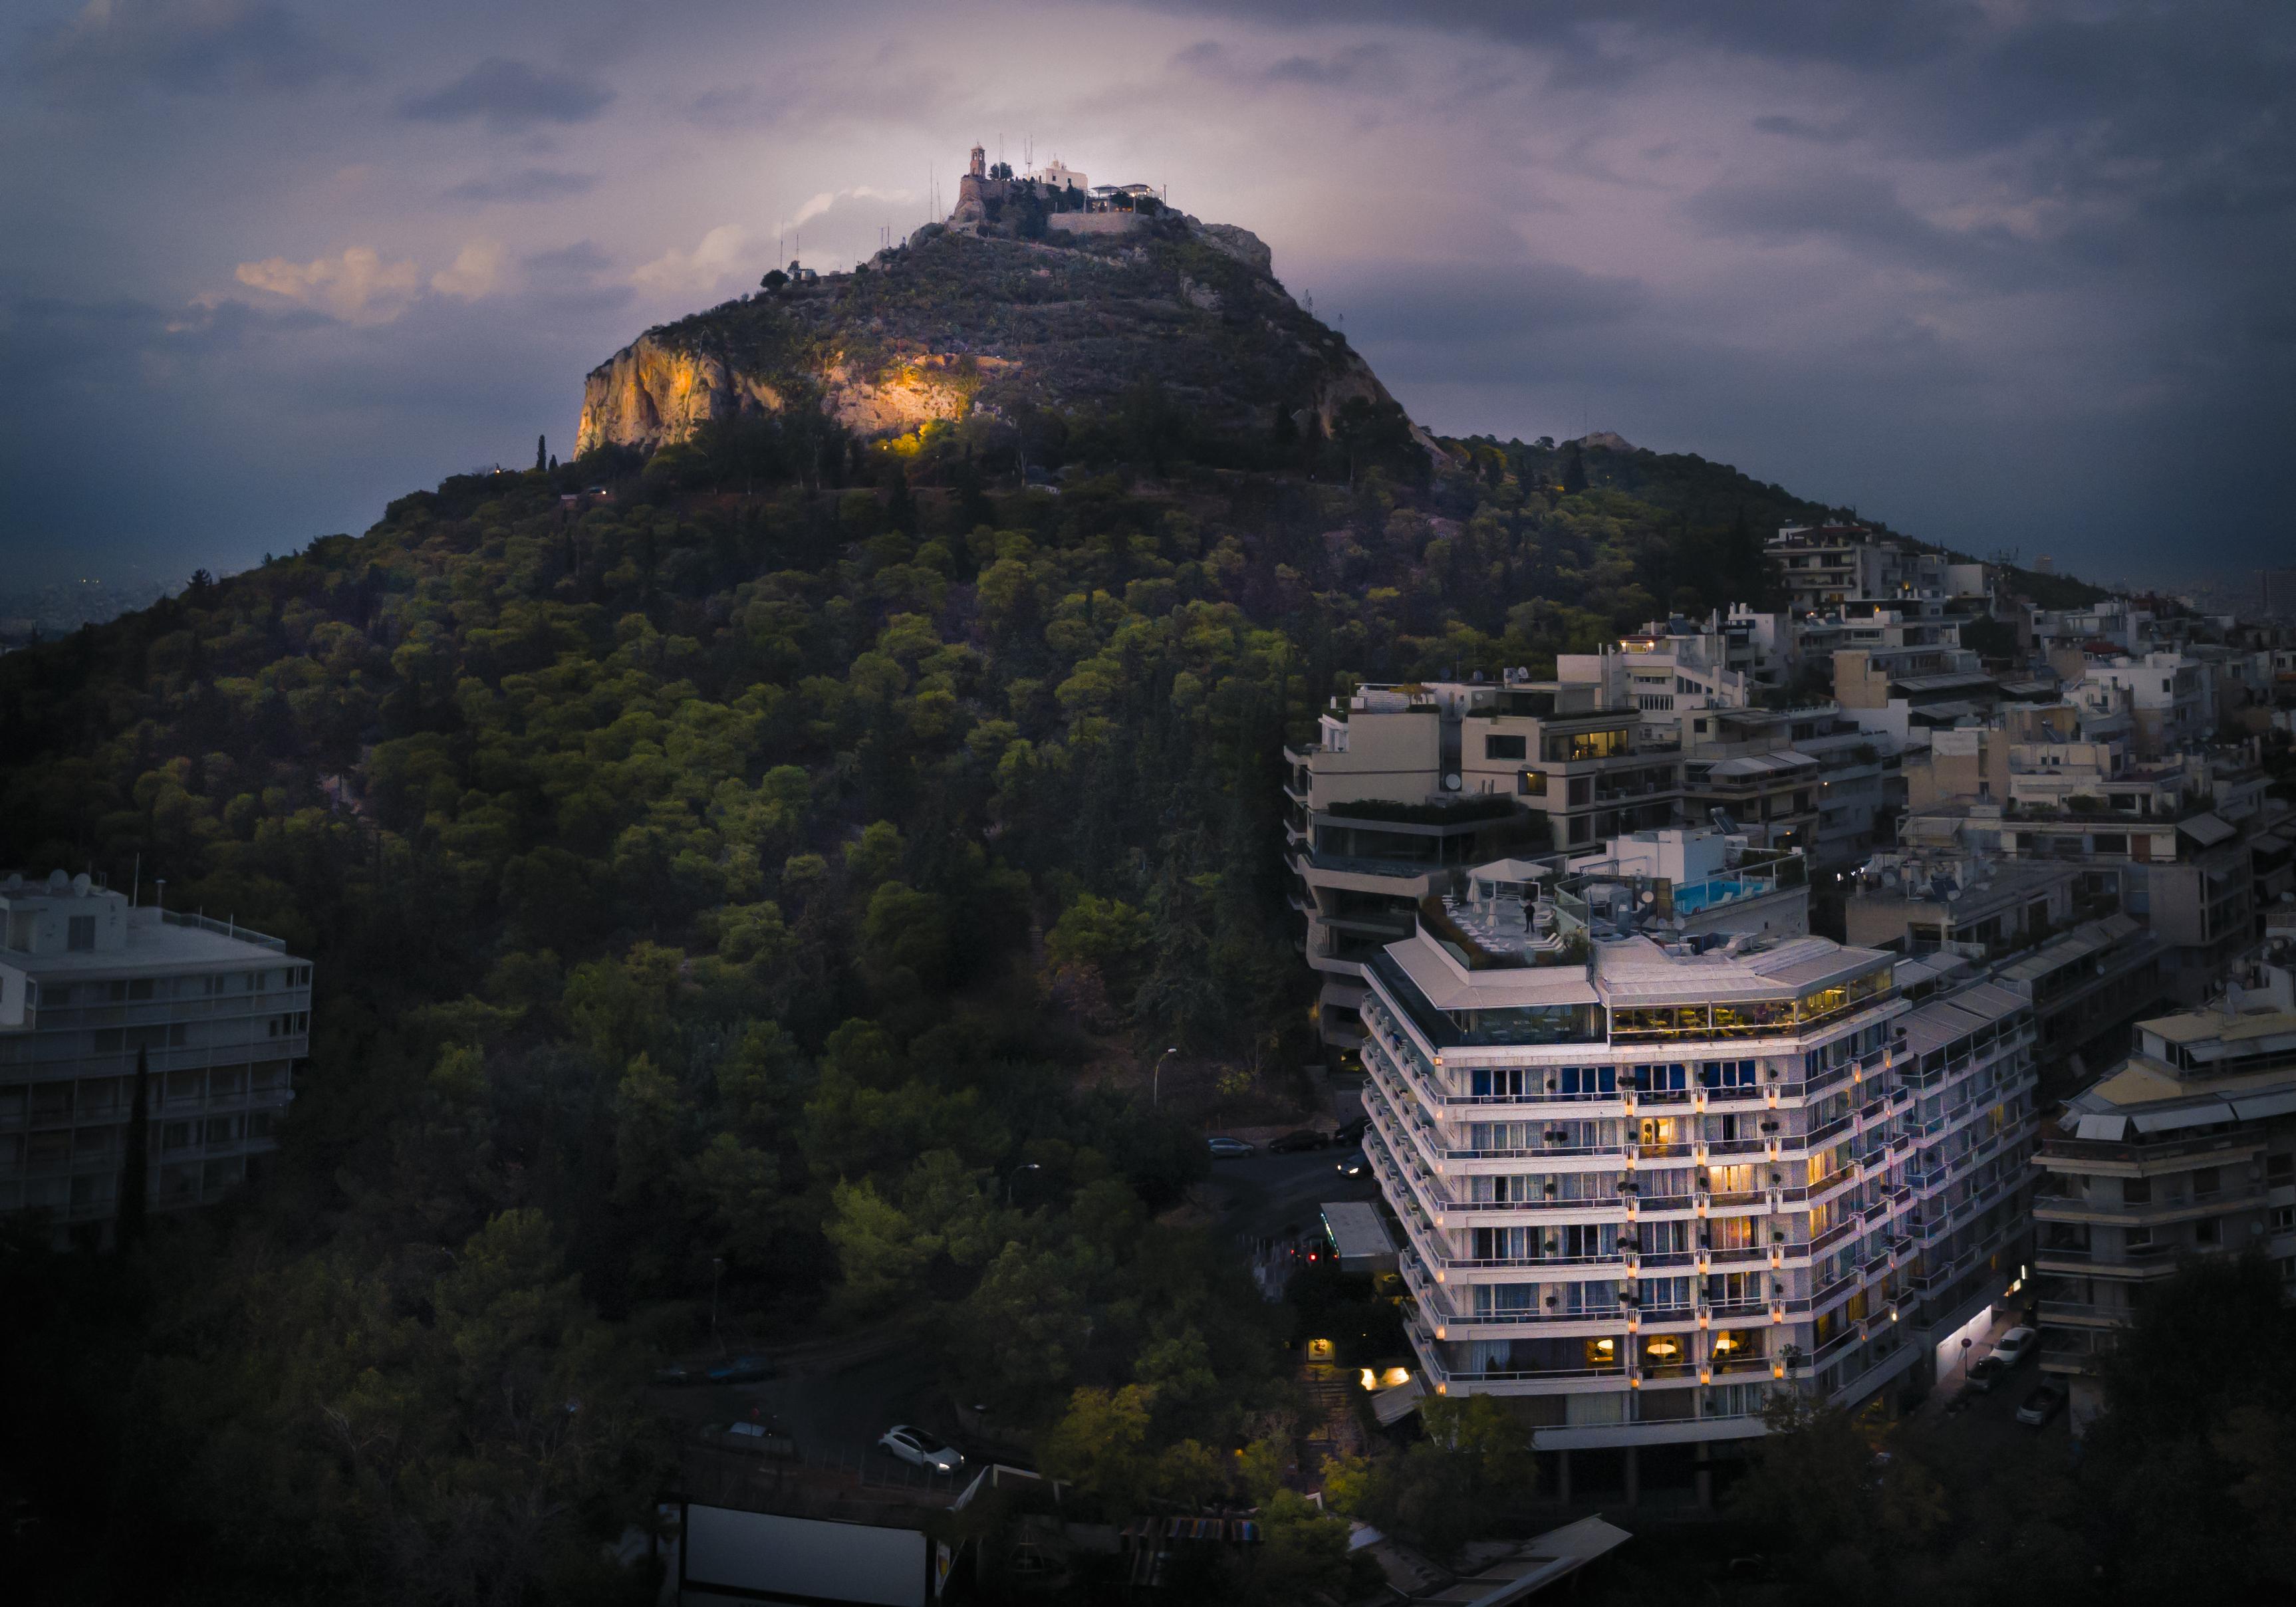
(2007, 273)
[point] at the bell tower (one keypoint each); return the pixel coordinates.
(979, 162)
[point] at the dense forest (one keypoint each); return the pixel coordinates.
(762, 862)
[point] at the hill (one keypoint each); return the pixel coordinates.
(742, 887)
(1009, 341)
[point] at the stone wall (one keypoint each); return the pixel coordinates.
(1095, 222)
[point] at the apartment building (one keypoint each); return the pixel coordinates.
(1825, 566)
(2171, 697)
(1673, 667)
(1914, 900)
(2088, 988)
(2188, 1149)
(91, 982)
(1407, 785)
(1647, 1176)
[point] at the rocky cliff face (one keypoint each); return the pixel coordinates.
(651, 393)
(962, 323)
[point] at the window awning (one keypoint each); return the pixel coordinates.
(2200, 1114)
(2255, 1107)
(2207, 830)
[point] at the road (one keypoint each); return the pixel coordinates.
(837, 1411)
(1275, 1196)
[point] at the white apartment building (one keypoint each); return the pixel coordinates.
(1825, 566)
(1672, 666)
(2171, 698)
(1406, 786)
(2188, 1149)
(88, 982)
(1647, 1177)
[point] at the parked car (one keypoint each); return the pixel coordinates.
(751, 1439)
(919, 1449)
(1986, 1372)
(1357, 1165)
(1292, 1143)
(742, 1370)
(1224, 1148)
(1352, 1132)
(677, 1375)
(2041, 1405)
(2016, 1346)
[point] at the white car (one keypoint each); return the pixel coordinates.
(919, 1449)
(2014, 1346)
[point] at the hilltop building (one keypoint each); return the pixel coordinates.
(88, 982)
(1647, 1177)
(1059, 194)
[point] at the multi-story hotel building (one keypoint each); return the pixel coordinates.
(2188, 1149)
(1646, 1174)
(88, 983)
(1408, 785)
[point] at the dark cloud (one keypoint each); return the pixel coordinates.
(571, 281)
(1887, 33)
(1338, 69)
(508, 96)
(1352, 65)
(526, 183)
(1477, 312)
(1829, 132)
(581, 260)
(1864, 215)
(184, 47)
(2001, 272)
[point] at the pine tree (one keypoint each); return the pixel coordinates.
(135, 1171)
(900, 507)
(541, 451)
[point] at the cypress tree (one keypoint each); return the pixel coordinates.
(541, 450)
(1574, 470)
(135, 1171)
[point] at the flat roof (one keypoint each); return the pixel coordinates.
(1448, 986)
(154, 945)
(1763, 763)
(2093, 938)
(1356, 1229)
(1532, 1566)
(2214, 1026)
(1940, 682)
(1934, 1023)
(1636, 971)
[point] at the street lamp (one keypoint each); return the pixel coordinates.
(1156, 1080)
(1026, 1166)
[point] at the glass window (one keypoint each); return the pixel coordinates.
(1496, 746)
(1590, 1080)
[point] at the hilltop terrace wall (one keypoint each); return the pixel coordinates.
(1095, 223)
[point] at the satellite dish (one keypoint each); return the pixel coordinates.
(80, 884)
(1451, 784)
